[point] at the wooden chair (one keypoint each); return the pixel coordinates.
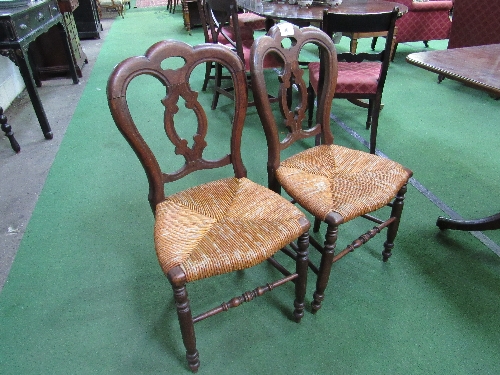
(361, 75)
(335, 184)
(217, 227)
(219, 19)
(171, 5)
(114, 5)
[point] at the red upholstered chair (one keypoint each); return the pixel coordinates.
(212, 228)
(425, 20)
(220, 20)
(252, 20)
(361, 75)
(475, 23)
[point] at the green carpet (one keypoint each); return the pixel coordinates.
(86, 295)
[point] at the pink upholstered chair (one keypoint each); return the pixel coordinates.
(425, 20)
(361, 75)
(220, 21)
(475, 23)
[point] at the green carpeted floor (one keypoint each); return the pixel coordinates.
(86, 296)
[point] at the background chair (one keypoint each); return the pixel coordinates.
(333, 183)
(217, 227)
(425, 21)
(171, 5)
(475, 23)
(362, 75)
(113, 5)
(221, 25)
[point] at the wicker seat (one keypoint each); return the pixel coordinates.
(361, 75)
(333, 183)
(215, 227)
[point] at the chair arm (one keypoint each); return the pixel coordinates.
(427, 6)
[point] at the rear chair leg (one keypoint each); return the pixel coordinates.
(302, 267)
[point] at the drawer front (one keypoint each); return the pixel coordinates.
(24, 23)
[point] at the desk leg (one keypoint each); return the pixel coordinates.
(21, 57)
(487, 223)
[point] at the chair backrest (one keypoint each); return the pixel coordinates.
(175, 78)
(362, 23)
(287, 41)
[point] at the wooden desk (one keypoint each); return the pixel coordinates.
(19, 26)
(478, 67)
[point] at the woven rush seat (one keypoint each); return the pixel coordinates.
(332, 183)
(211, 228)
(219, 227)
(353, 78)
(331, 178)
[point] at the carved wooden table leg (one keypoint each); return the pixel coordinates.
(6, 128)
(486, 223)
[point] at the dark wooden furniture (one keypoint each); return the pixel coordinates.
(333, 183)
(477, 67)
(7, 129)
(47, 51)
(360, 75)
(217, 227)
(19, 27)
(220, 25)
(190, 13)
(314, 13)
(87, 20)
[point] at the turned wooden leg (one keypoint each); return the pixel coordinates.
(218, 83)
(302, 266)
(208, 71)
(325, 267)
(392, 230)
(7, 129)
(178, 280)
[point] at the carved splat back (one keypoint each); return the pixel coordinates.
(287, 41)
(176, 83)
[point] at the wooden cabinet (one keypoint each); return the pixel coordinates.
(87, 20)
(190, 14)
(47, 53)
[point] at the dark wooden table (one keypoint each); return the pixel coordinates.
(21, 25)
(314, 13)
(477, 67)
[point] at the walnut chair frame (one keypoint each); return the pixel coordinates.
(333, 183)
(360, 75)
(216, 227)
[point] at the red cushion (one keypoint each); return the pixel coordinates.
(254, 21)
(353, 78)
(245, 32)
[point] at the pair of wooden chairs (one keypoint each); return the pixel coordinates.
(232, 223)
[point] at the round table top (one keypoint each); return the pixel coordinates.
(281, 10)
